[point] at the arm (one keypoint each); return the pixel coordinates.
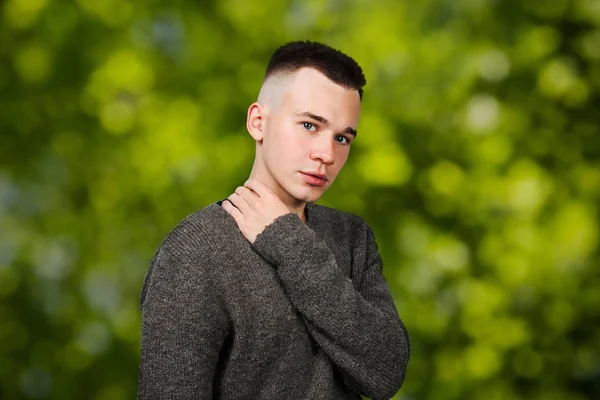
(358, 327)
(183, 327)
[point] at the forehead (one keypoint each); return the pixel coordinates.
(310, 90)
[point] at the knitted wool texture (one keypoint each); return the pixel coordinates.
(302, 313)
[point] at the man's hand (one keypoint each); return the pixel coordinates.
(256, 207)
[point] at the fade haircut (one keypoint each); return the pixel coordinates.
(332, 63)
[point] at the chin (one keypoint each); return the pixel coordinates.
(312, 196)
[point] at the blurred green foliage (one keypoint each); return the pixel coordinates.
(477, 167)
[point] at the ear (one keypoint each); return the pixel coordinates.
(255, 121)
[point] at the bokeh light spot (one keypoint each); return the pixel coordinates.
(33, 63)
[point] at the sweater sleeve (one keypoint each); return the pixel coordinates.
(356, 324)
(184, 326)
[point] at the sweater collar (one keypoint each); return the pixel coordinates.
(310, 210)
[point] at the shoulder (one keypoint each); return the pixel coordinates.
(183, 262)
(196, 233)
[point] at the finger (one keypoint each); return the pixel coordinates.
(239, 203)
(248, 195)
(233, 211)
(258, 187)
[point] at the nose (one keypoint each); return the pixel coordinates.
(323, 150)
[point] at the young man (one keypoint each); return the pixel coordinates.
(266, 295)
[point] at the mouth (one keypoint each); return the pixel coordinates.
(317, 175)
(314, 180)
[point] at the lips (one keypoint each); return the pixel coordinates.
(313, 180)
(318, 175)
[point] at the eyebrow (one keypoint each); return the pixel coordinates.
(324, 121)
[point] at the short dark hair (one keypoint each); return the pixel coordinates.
(334, 64)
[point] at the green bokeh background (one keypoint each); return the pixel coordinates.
(477, 165)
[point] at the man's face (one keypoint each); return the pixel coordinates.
(308, 131)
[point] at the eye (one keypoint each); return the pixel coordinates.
(309, 127)
(345, 138)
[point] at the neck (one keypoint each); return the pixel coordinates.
(266, 178)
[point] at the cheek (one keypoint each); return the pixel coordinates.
(340, 159)
(291, 143)
(285, 148)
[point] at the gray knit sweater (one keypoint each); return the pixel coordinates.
(302, 313)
